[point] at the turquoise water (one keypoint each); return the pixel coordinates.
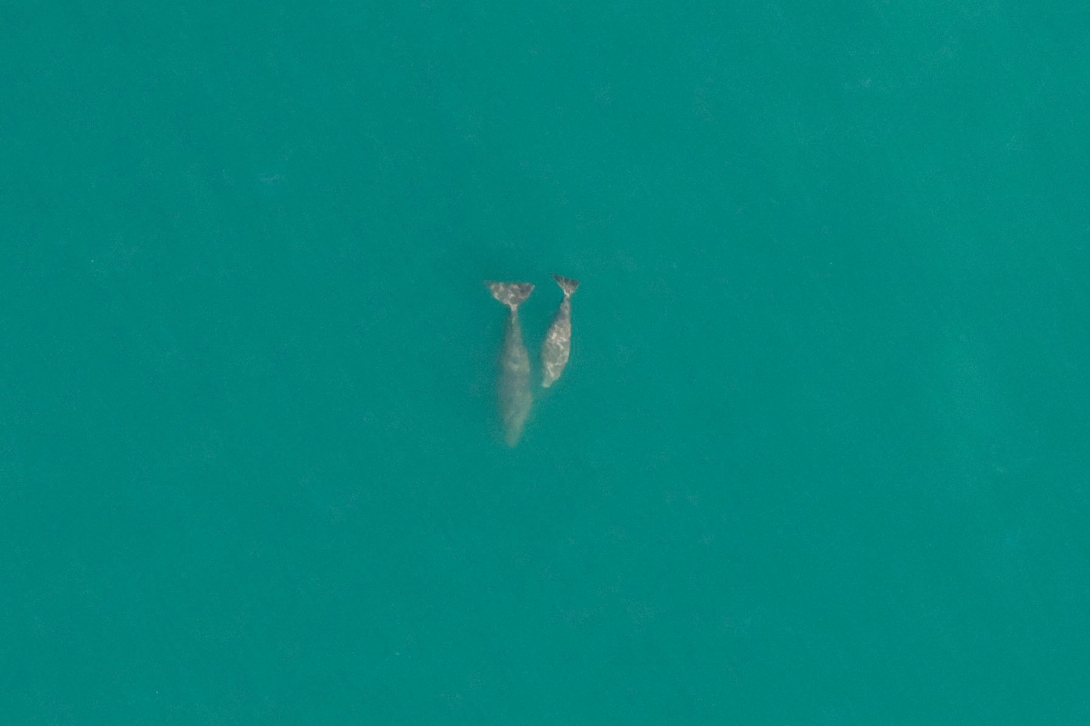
(820, 455)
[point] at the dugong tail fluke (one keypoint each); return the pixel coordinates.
(514, 390)
(567, 284)
(511, 294)
(557, 346)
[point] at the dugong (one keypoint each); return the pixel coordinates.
(514, 389)
(557, 346)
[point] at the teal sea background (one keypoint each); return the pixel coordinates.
(820, 455)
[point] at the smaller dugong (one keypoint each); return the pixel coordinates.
(557, 346)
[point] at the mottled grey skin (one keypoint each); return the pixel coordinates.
(557, 346)
(514, 390)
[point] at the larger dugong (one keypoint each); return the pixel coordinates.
(514, 390)
(557, 346)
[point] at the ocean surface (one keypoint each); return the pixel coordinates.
(821, 454)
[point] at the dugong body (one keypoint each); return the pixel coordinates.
(557, 346)
(515, 398)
